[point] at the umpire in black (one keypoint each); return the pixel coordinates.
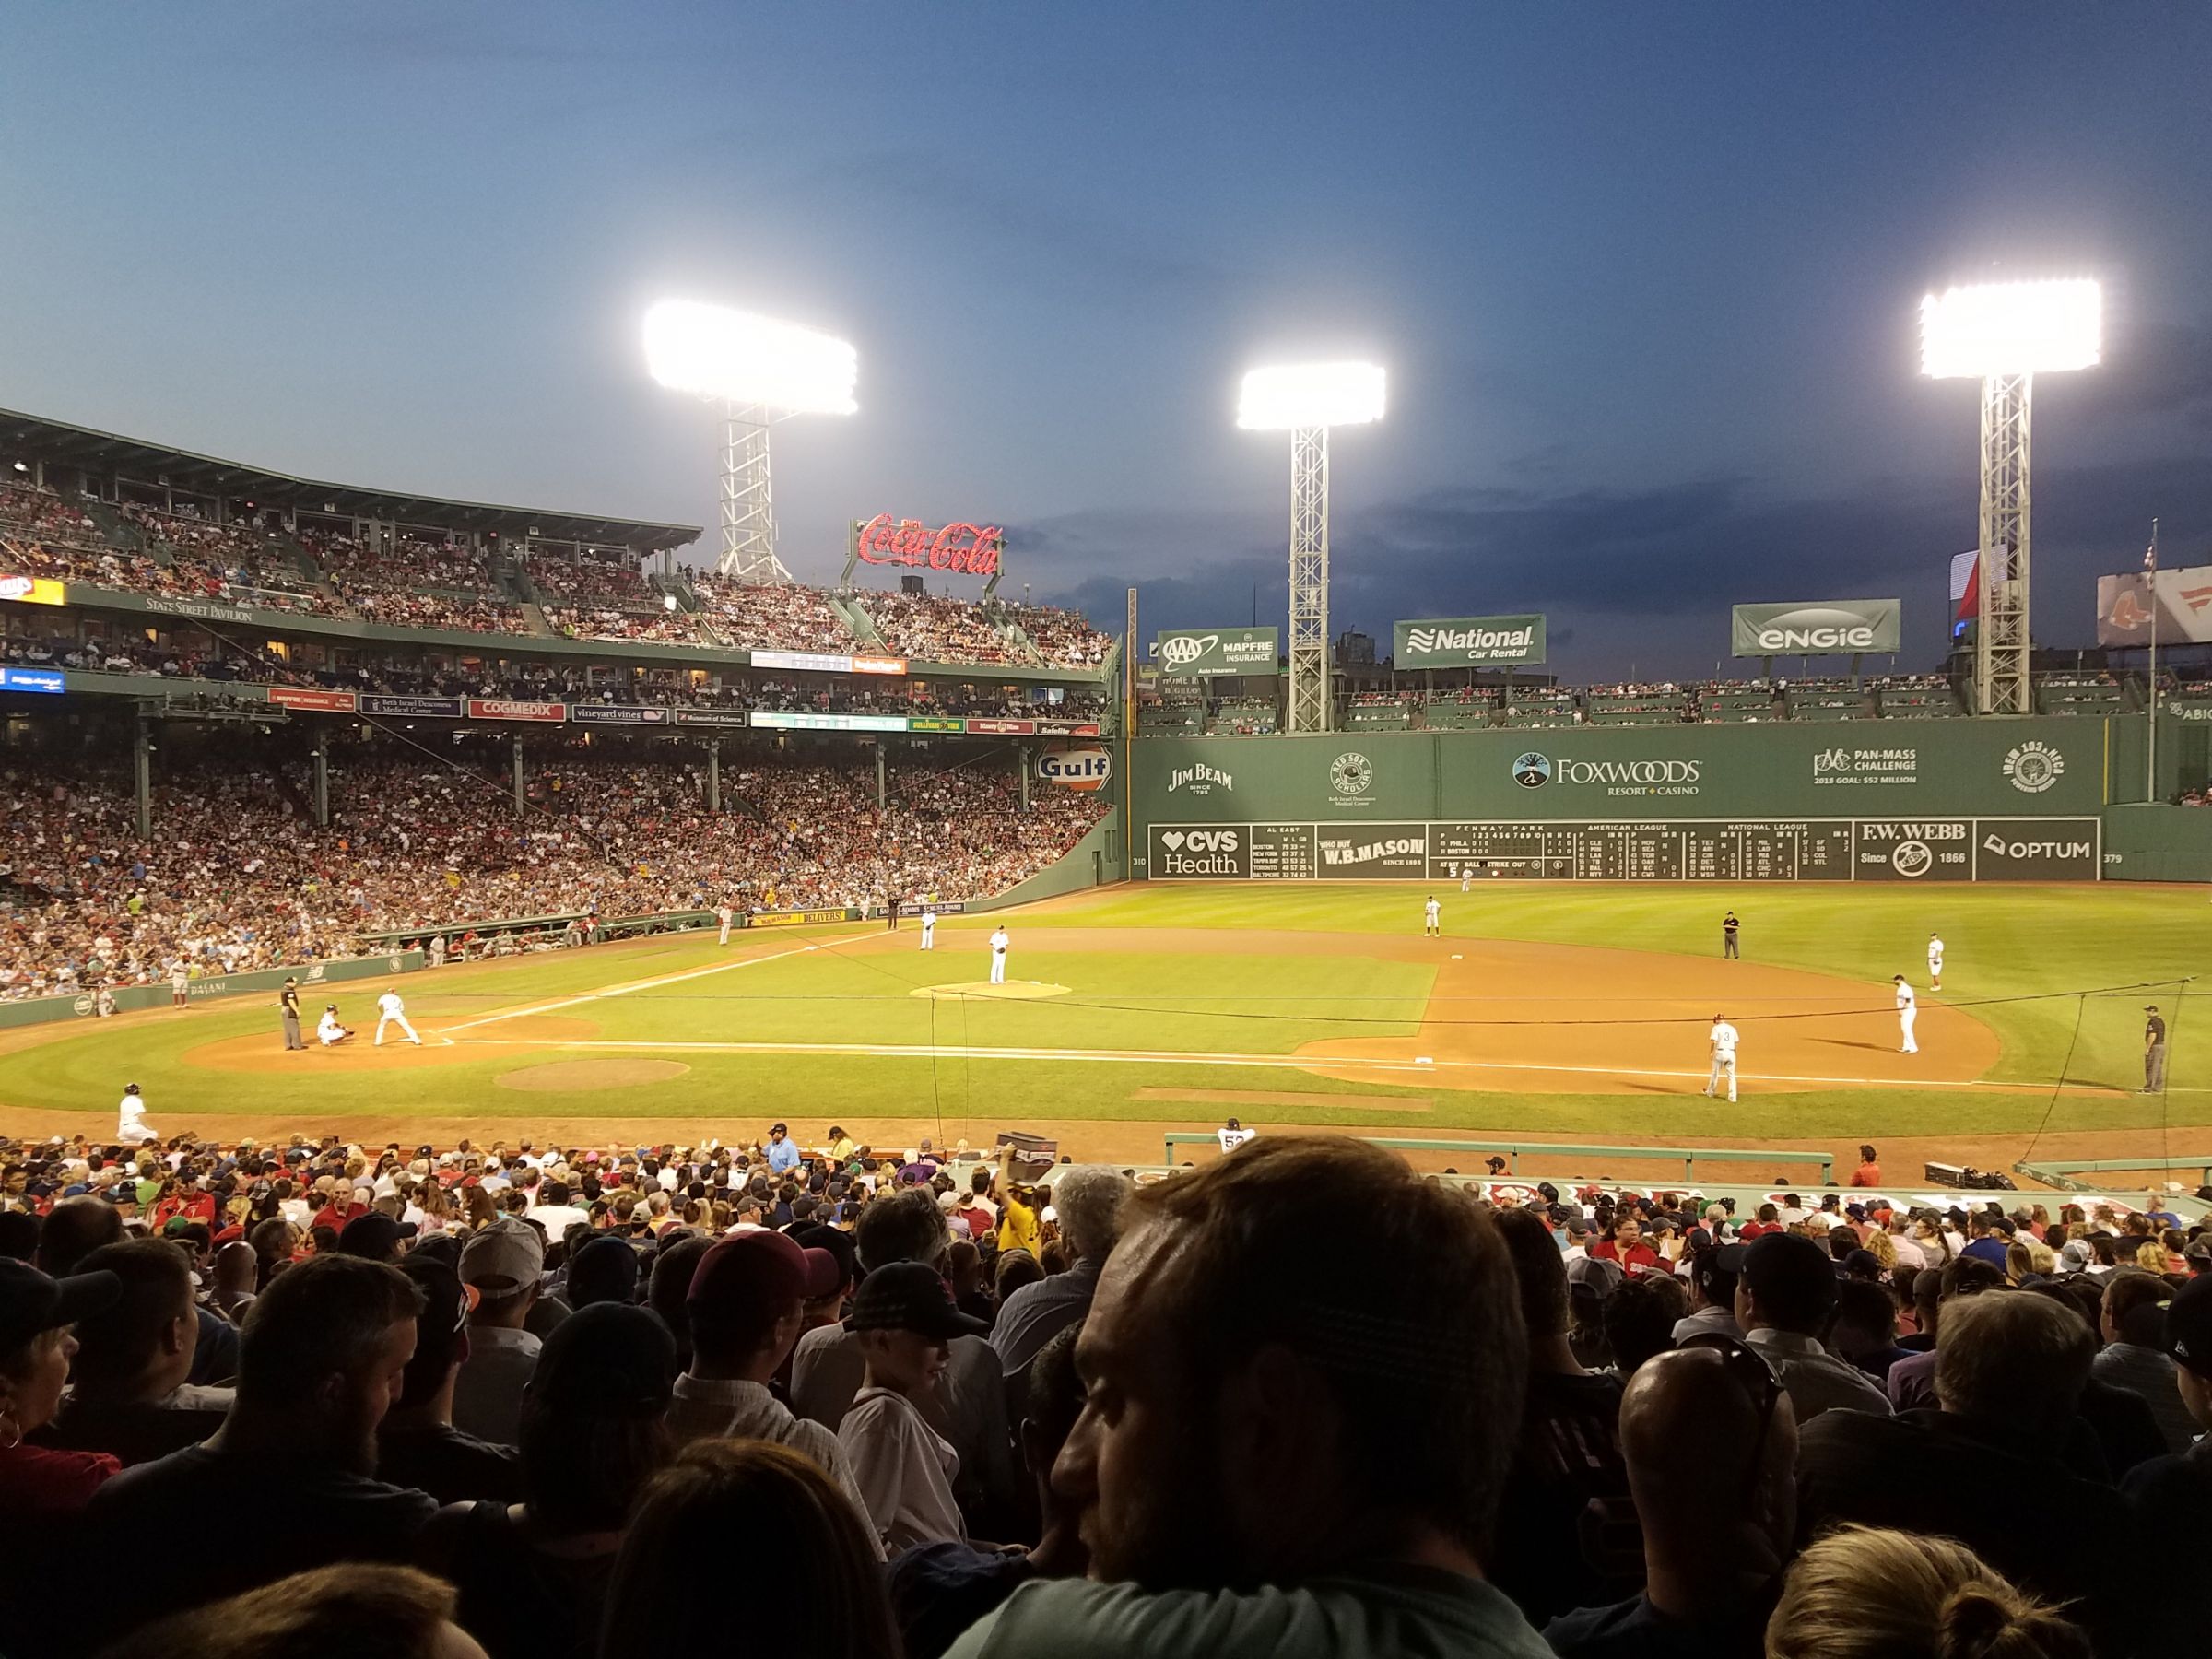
(287, 1000)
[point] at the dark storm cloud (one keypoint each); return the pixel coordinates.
(2164, 369)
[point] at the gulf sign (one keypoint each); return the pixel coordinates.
(1085, 768)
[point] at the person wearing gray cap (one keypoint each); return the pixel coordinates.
(503, 1263)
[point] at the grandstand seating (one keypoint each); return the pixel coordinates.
(1242, 717)
(1917, 697)
(2080, 693)
(1637, 705)
(1730, 704)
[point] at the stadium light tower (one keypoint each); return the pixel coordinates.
(2004, 334)
(761, 371)
(1306, 401)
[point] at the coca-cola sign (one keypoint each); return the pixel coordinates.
(965, 550)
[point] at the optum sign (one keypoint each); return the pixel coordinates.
(1823, 628)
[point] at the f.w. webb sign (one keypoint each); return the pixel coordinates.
(1821, 627)
(1461, 642)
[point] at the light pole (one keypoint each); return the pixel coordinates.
(2151, 753)
(2004, 334)
(1306, 400)
(761, 371)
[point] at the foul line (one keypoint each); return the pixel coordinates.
(1283, 1062)
(644, 984)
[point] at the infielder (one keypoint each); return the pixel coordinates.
(1908, 1010)
(1432, 919)
(998, 955)
(725, 914)
(130, 1126)
(328, 1032)
(1723, 1039)
(929, 924)
(1935, 961)
(389, 1010)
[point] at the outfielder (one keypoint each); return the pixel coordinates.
(1432, 919)
(929, 924)
(1466, 878)
(725, 914)
(389, 1010)
(1723, 1039)
(1908, 1010)
(998, 954)
(1935, 961)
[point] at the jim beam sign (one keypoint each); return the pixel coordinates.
(1469, 642)
(1818, 628)
(1190, 652)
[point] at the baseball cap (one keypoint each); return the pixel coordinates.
(446, 1303)
(373, 1235)
(909, 1296)
(503, 1256)
(2188, 1327)
(747, 1282)
(1790, 1269)
(30, 1301)
(819, 1239)
(605, 1360)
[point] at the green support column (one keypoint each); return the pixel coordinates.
(883, 794)
(518, 774)
(142, 779)
(713, 774)
(1021, 754)
(322, 781)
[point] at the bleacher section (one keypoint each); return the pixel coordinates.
(1541, 708)
(1736, 705)
(1242, 717)
(1637, 705)
(1469, 707)
(1917, 697)
(1380, 711)
(1179, 719)
(1828, 700)
(2081, 694)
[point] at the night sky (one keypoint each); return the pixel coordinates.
(1644, 278)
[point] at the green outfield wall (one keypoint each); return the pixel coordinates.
(1990, 800)
(313, 978)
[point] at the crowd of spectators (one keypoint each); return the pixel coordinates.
(237, 876)
(780, 617)
(1062, 637)
(936, 628)
(522, 1400)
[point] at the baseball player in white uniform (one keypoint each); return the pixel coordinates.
(998, 955)
(130, 1118)
(1432, 919)
(328, 1032)
(1233, 1135)
(725, 915)
(929, 923)
(1935, 961)
(1723, 1038)
(1466, 878)
(389, 1010)
(1908, 1010)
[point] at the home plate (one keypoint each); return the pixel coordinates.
(1423, 1060)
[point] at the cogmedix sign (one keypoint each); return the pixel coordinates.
(1465, 642)
(1818, 628)
(1194, 651)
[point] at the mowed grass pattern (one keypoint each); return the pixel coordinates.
(2057, 972)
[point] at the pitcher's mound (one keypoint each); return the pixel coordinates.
(565, 1076)
(981, 990)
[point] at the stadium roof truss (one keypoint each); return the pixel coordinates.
(54, 442)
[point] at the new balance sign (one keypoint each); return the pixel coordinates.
(1823, 628)
(1461, 642)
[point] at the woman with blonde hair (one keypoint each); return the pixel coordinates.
(1884, 1250)
(1865, 1593)
(2150, 1255)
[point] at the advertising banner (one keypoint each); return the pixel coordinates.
(2182, 599)
(775, 720)
(936, 723)
(1085, 767)
(711, 717)
(34, 590)
(1468, 641)
(501, 708)
(1054, 728)
(307, 696)
(795, 918)
(420, 708)
(47, 682)
(879, 665)
(625, 714)
(1816, 628)
(812, 662)
(1218, 851)
(1003, 728)
(963, 548)
(1216, 651)
(1356, 851)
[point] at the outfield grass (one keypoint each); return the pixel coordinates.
(2059, 974)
